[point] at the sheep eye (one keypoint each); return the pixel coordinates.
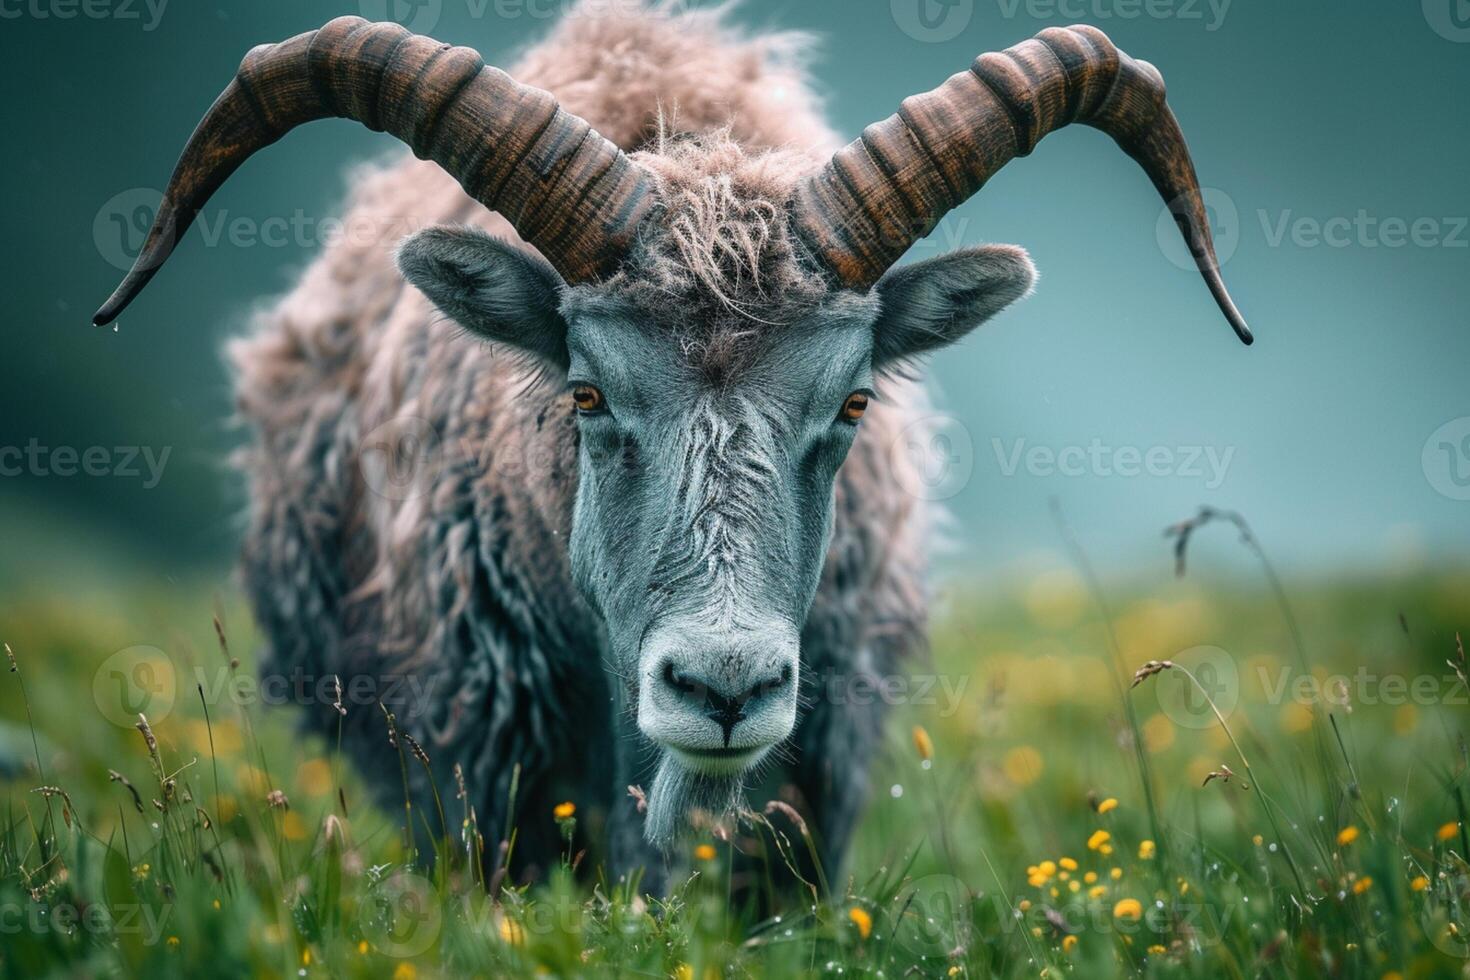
(587, 398)
(854, 407)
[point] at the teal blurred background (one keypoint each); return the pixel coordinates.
(1344, 433)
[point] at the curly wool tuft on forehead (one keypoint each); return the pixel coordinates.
(718, 258)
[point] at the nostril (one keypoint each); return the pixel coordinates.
(676, 680)
(771, 684)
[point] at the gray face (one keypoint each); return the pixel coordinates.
(705, 482)
(703, 510)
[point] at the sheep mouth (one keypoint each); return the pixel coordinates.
(716, 761)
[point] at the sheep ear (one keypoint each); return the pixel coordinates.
(489, 287)
(931, 304)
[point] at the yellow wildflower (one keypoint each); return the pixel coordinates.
(1419, 884)
(1068, 863)
(1090, 877)
(512, 933)
(1115, 874)
(923, 744)
(1128, 908)
(1098, 839)
(705, 852)
(1022, 765)
(362, 947)
(1347, 835)
(1447, 831)
(405, 971)
(1069, 944)
(1107, 805)
(1156, 950)
(1146, 850)
(1047, 868)
(1097, 891)
(564, 810)
(1362, 884)
(862, 920)
(173, 942)
(293, 827)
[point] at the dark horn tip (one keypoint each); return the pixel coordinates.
(107, 313)
(124, 294)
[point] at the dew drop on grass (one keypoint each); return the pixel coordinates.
(896, 790)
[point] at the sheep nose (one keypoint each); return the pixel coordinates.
(725, 708)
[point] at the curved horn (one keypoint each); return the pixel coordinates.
(566, 189)
(889, 188)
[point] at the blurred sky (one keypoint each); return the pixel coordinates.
(1332, 134)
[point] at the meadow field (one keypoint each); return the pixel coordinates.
(1213, 775)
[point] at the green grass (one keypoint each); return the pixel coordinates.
(986, 861)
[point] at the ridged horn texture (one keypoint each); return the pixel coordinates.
(890, 187)
(566, 189)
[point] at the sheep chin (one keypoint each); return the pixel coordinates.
(678, 791)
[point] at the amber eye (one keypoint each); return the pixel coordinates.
(855, 406)
(587, 398)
